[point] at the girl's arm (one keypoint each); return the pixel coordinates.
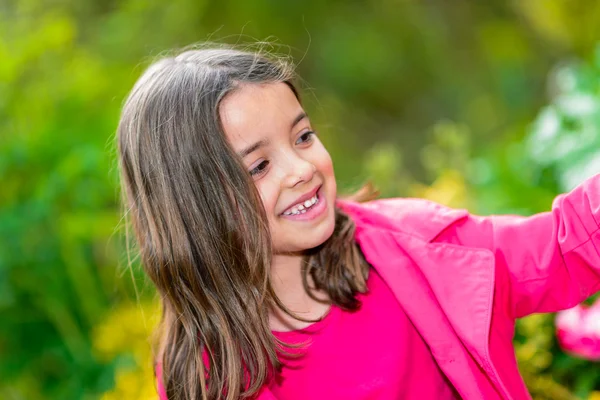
(546, 262)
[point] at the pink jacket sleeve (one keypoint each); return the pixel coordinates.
(546, 262)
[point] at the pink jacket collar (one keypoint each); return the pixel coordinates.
(446, 290)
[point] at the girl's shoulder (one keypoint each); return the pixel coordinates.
(413, 216)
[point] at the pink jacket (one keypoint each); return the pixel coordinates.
(464, 279)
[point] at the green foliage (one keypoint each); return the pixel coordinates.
(566, 134)
(425, 98)
(58, 210)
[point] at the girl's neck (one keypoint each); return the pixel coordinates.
(286, 278)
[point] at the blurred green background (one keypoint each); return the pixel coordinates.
(493, 106)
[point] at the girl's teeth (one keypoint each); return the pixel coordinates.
(301, 208)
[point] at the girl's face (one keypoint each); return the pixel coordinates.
(267, 127)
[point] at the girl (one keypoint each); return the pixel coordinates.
(273, 288)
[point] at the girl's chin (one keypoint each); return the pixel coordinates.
(298, 237)
(300, 246)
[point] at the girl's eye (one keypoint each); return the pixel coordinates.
(259, 168)
(306, 137)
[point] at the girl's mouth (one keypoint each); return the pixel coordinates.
(310, 209)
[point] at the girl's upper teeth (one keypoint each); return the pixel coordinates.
(300, 208)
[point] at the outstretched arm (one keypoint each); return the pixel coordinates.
(546, 262)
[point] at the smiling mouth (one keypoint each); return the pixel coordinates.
(302, 208)
(306, 204)
(309, 210)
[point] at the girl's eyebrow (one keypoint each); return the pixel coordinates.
(264, 142)
(299, 118)
(253, 147)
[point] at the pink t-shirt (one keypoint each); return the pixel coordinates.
(374, 353)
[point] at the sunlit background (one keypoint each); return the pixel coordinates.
(493, 106)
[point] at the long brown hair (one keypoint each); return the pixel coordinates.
(200, 227)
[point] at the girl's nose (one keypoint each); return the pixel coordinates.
(302, 171)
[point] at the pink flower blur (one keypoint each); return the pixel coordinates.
(578, 331)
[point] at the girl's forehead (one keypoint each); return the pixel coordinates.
(258, 109)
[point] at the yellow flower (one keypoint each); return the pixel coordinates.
(449, 189)
(127, 330)
(595, 395)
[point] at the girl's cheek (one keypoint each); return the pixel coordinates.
(268, 195)
(324, 163)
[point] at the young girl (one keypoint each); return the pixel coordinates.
(274, 288)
